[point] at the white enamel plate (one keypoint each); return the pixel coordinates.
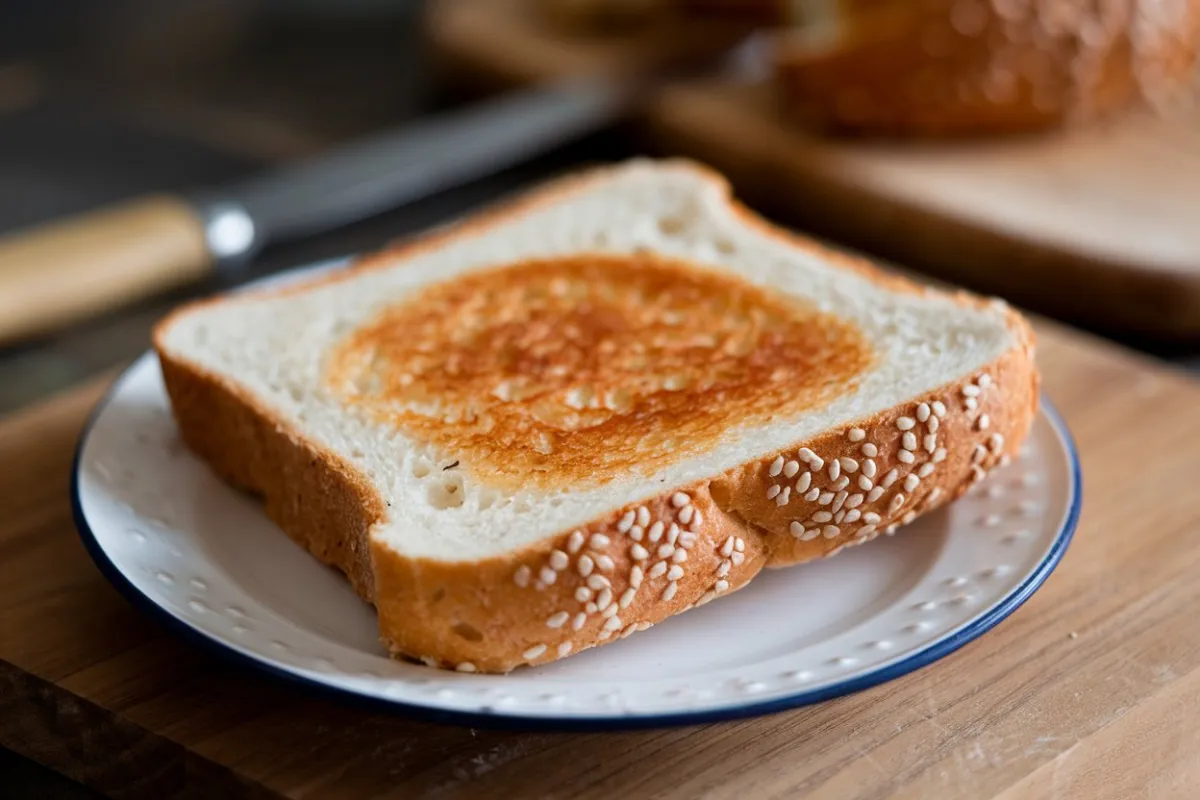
(208, 561)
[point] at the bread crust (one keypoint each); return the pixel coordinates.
(628, 569)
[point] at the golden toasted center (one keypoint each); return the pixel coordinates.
(581, 369)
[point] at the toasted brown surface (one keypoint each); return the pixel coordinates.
(965, 67)
(679, 547)
(571, 372)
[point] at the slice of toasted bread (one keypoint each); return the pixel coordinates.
(617, 398)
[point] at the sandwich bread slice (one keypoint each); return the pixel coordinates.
(609, 401)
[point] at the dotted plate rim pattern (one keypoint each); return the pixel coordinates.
(550, 697)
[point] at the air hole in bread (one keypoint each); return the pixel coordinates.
(295, 393)
(672, 226)
(446, 494)
(357, 453)
(421, 469)
(725, 246)
(468, 632)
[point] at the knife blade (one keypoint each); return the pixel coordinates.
(67, 270)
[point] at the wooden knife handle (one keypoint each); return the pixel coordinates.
(68, 270)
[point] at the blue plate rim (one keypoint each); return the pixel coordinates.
(504, 721)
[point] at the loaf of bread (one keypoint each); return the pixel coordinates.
(615, 399)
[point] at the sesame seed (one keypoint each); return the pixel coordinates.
(721, 586)
(911, 483)
(635, 576)
(869, 450)
(791, 468)
(666, 550)
(669, 592)
(727, 546)
(939, 408)
(830, 531)
(839, 516)
(905, 423)
(724, 567)
(803, 482)
(626, 521)
(977, 472)
(978, 454)
(639, 553)
(939, 455)
(686, 540)
(548, 575)
(897, 501)
(867, 531)
(773, 491)
(865, 483)
(812, 494)
(604, 563)
(817, 463)
(776, 466)
(737, 558)
(826, 498)
(807, 455)
(822, 516)
(923, 412)
(575, 542)
(930, 442)
(906, 456)
(996, 441)
(926, 470)
(857, 434)
(890, 529)
(875, 494)
(796, 529)
(933, 424)
(637, 533)
(599, 541)
(465, 666)
(839, 500)
(521, 576)
(810, 534)
(658, 569)
(984, 380)
(557, 620)
(613, 623)
(564, 648)
(908, 517)
(908, 441)
(604, 599)
(533, 652)
(854, 500)
(603, 634)
(679, 499)
(848, 464)
(852, 515)
(583, 594)
(559, 560)
(783, 499)
(889, 478)
(579, 620)
(935, 494)
(971, 403)
(869, 468)
(643, 516)
(610, 612)
(739, 544)
(598, 582)
(872, 518)
(672, 534)
(585, 565)
(679, 556)
(1005, 460)
(985, 422)
(656, 531)
(685, 514)
(835, 469)
(626, 598)
(840, 483)
(675, 573)
(970, 390)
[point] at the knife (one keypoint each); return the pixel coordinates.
(65, 271)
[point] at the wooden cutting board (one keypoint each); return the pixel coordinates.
(1087, 691)
(1097, 226)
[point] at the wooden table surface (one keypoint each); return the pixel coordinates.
(1087, 691)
